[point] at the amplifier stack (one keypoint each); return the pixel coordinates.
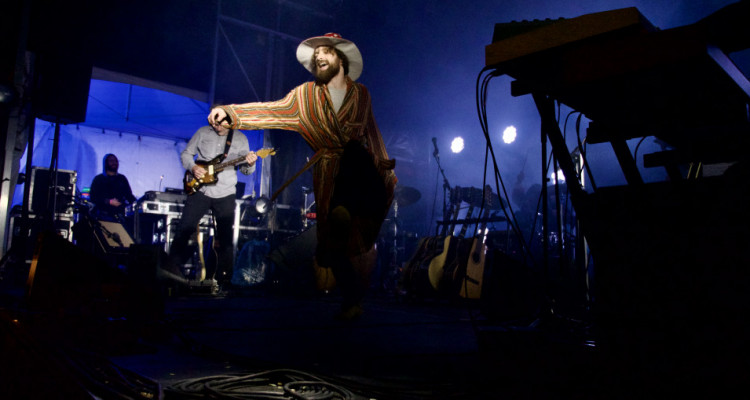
(156, 216)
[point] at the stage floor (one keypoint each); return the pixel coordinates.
(274, 340)
(399, 348)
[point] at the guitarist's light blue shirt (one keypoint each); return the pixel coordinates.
(206, 145)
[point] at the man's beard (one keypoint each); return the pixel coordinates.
(323, 77)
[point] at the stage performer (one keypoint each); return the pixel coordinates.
(110, 192)
(206, 144)
(353, 177)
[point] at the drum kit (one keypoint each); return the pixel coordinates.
(403, 196)
(393, 240)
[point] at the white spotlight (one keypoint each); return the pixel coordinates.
(559, 176)
(509, 134)
(457, 145)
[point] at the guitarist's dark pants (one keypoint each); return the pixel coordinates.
(222, 209)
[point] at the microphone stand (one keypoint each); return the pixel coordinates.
(446, 185)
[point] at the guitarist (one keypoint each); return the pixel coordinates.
(110, 192)
(208, 143)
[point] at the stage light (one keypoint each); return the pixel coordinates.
(457, 145)
(555, 177)
(509, 134)
(262, 205)
(254, 210)
(7, 94)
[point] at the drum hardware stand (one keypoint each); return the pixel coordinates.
(393, 273)
(306, 208)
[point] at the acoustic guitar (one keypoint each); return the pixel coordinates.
(471, 281)
(443, 266)
(423, 272)
(213, 167)
(414, 275)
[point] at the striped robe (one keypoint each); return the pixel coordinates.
(308, 110)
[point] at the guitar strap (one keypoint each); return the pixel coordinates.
(227, 145)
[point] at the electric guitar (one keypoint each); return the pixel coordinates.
(213, 167)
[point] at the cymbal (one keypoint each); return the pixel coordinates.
(406, 195)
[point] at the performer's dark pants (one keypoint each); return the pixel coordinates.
(358, 205)
(222, 210)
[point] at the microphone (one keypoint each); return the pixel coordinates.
(116, 238)
(434, 143)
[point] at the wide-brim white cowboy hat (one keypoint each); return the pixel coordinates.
(306, 49)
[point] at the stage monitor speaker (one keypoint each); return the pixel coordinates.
(297, 251)
(294, 259)
(109, 240)
(113, 236)
(108, 306)
(64, 276)
(61, 88)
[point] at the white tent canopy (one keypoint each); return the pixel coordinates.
(145, 128)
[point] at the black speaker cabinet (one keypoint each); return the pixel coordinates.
(61, 89)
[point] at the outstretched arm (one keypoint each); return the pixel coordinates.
(280, 114)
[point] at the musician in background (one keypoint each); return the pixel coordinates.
(110, 192)
(206, 145)
(353, 177)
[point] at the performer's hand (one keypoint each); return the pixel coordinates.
(216, 118)
(114, 203)
(251, 158)
(198, 171)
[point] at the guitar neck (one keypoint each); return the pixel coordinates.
(262, 153)
(485, 216)
(465, 226)
(232, 163)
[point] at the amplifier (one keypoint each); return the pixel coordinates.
(169, 197)
(23, 233)
(286, 218)
(156, 222)
(62, 225)
(205, 227)
(43, 194)
(158, 207)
